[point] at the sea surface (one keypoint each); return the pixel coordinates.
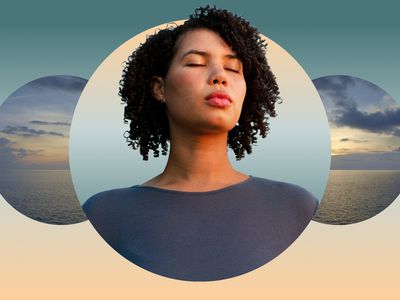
(43, 195)
(356, 195)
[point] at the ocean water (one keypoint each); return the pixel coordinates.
(356, 195)
(43, 195)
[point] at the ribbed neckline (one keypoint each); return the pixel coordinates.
(195, 193)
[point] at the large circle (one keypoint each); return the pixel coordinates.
(297, 149)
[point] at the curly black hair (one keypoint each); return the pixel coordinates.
(148, 119)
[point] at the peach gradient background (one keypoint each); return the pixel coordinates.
(40, 261)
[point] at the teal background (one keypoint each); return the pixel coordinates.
(42, 38)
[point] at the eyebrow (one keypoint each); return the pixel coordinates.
(204, 53)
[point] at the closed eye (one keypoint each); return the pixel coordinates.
(232, 70)
(195, 65)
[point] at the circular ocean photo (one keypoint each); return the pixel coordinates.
(34, 134)
(365, 139)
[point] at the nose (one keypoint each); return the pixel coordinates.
(218, 76)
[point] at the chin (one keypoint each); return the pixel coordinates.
(218, 127)
(224, 120)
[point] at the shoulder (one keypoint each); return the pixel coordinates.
(288, 195)
(106, 211)
(105, 202)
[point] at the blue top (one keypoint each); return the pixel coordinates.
(202, 236)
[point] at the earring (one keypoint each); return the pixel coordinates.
(162, 99)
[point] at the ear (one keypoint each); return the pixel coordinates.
(157, 88)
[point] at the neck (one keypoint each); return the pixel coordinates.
(198, 163)
(198, 158)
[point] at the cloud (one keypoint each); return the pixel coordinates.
(334, 93)
(387, 98)
(60, 82)
(9, 156)
(18, 152)
(37, 122)
(53, 95)
(28, 132)
(386, 121)
(353, 140)
(339, 94)
(21, 153)
(334, 86)
(4, 142)
(57, 83)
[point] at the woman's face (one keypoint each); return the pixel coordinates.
(204, 88)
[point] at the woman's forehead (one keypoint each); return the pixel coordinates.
(203, 40)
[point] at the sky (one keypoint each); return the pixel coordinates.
(364, 122)
(35, 122)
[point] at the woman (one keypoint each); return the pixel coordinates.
(202, 86)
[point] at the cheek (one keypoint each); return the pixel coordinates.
(180, 83)
(181, 94)
(241, 88)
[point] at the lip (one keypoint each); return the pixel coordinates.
(219, 99)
